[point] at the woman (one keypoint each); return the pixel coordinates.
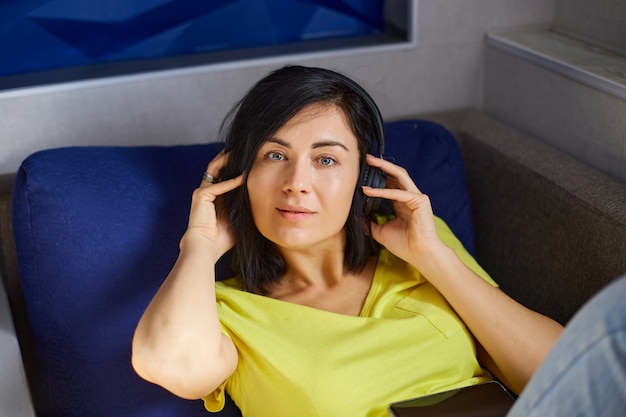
(331, 313)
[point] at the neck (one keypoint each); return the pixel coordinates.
(322, 268)
(320, 280)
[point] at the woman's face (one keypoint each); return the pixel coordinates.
(303, 178)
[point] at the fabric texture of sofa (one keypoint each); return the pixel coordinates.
(97, 228)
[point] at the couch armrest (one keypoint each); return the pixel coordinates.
(550, 229)
(14, 393)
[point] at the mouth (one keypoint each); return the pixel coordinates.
(294, 213)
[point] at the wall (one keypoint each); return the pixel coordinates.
(443, 71)
(568, 91)
(601, 21)
(571, 116)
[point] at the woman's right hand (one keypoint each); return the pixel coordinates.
(178, 343)
(208, 220)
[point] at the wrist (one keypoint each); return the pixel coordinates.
(434, 261)
(193, 244)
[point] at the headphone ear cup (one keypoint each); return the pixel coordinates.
(375, 178)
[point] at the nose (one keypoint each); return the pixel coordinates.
(298, 177)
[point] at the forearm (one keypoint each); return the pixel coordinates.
(515, 337)
(178, 342)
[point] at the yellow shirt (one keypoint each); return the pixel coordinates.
(300, 361)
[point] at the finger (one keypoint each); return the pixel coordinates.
(397, 172)
(218, 161)
(413, 200)
(214, 168)
(222, 187)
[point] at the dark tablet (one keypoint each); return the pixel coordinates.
(490, 399)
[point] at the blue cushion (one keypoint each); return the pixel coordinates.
(97, 230)
(431, 155)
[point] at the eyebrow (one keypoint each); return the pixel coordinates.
(320, 144)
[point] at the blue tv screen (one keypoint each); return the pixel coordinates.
(112, 36)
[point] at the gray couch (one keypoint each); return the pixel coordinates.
(549, 229)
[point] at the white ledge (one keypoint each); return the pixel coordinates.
(570, 57)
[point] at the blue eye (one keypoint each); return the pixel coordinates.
(327, 161)
(275, 156)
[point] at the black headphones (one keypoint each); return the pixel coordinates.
(370, 176)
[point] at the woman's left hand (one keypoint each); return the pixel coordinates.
(412, 234)
(515, 339)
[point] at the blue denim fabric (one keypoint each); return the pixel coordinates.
(585, 373)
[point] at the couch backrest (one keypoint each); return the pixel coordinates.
(97, 230)
(549, 229)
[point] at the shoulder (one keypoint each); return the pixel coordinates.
(229, 289)
(234, 283)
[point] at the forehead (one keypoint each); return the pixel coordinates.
(324, 117)
(317, 127)
(315, 111)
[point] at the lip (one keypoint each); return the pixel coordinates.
(294, 213)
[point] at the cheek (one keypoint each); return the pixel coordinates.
(254, 186)
(338, 194)
(259, 188)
